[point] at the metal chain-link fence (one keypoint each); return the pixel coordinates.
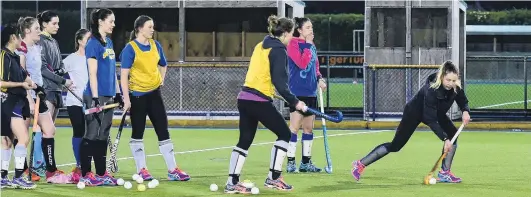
(389, 87)
(497, 82)
(204, 89)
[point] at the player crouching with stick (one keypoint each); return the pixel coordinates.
(101, 87)
(429, 106)
(143, 68)
(267, 72)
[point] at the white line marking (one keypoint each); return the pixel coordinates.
(501, 104)
(229, 147)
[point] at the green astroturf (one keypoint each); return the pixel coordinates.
(486, 96)
(490, 163)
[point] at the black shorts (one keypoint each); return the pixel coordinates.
(55, 98)
(311, 102)
(43, 108)
(13, 107)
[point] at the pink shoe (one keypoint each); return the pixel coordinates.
(75, 175)
(144, 173)
(58, 177)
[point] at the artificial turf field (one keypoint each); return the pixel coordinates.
(480, 95)
(490, 163)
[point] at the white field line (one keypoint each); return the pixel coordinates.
(501, 104)
(228, 147)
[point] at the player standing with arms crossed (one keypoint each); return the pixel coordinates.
(15, 108)
(304, 79)
(102, 86)
(76, 67)
(267, 72)
(52, 70)
(429, 106)
(143, 68)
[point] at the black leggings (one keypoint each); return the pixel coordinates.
(151, 105)
(405, 129)
(252, 112)
(77, 119)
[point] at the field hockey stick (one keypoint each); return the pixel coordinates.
(328, 168)
(430, 174)
(338, 118)
(34, 129)
(77, 97)
(99, 109)
(112, 165)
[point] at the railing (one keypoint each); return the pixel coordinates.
(497, 87)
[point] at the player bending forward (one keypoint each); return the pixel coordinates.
(267, 72)
(429, 106)
(142, 75)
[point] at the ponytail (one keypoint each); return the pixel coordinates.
(95, 17)
(445, 68)
(133, 35)
(139, 22)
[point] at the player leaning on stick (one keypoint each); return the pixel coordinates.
(267, 72)
(143, 68)
(15, 107)
(76, 67)
(30, 54)
(304, 79)
(102, 86)
(429, 106)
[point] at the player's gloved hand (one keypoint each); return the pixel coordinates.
(39, 90)
(40, 93)
(118, 99)
(61, 72)
(95, 102)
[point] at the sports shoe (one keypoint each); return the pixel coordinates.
(23, 183)
(239, 188)
(357, 169)
(5, 183)
(278, 184)
(90, 180)
(107, 179)
(309, 167)
(34, 176)
(58, 177)
(178, 175)
(448, 177)
(144, 173)
(39, 168)
(75, 175)
(291, 167)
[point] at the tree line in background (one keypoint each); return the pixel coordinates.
(340, 37)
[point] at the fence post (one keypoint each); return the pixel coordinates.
(328, 81)
(525, 86)
(364, 98)
(180, 87)
(373, 94)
